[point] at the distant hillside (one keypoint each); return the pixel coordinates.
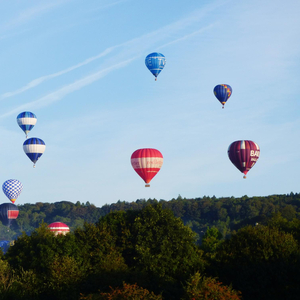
(227, 214)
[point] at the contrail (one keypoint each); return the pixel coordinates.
(60, 93)
(40, 80)
(135, 46)
(78, 84)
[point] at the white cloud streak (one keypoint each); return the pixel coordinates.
(41, 79)
(30, 14)
(62, 92)
(109, 5)
(133, 48)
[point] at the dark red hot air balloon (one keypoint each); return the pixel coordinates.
(146, 162)
(244, 155)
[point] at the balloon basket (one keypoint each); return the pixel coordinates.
(244, 176)
(155, 79)
(147, 185)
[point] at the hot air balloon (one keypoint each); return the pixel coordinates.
(12, 188)
(244, 155)
(223, 92)
(59, 228)
(26, 120)
(146, 162)
(8, 213)
(155, 62)
(34, 148)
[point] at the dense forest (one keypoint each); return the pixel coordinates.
(182, 249)
(226, 214)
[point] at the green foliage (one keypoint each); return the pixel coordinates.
(25, 285)
(38, 251)
(211, 240)
(261, 262)
(149, 247)
(227, 214)
(163, 245)
(5, 276)
(281, 223)
(154, 240)
(158, 249)
(64, 278)
(146, 244)
(98, 249)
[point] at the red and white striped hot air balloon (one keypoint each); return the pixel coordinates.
(59, 228)
(243, 154)
(146, 162)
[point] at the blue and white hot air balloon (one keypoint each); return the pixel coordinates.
(12, 188)
(26, 120)
(155, 62)
(34, 148)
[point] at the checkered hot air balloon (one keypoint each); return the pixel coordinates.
(8, 213)
(34, 148)
(147, 163)
(244, 155)
(155, 62)
(222, 93)
(12, 188)
(26, 120)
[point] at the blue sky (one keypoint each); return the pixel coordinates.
(79, 66)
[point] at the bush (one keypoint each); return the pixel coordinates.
(208, 288)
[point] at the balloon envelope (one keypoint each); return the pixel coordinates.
(147, 163)
(8, 213)
(223, 92)
(243, 154)
(34, 148)
(155, 62)
(59, 228)
(26, 120)
(12, 188)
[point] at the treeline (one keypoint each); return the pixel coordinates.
(227, 214)
(150, 254)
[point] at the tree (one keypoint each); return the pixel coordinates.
(158, 249)
(211, 240)
(128, 291)
(262, 262)
(163, 245)
(206, 288)
(47, 259)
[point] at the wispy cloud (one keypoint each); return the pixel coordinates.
(41, 79)
(131, 50)
(135, 46)
(62, 92)
(30, 14)
(109, 5)
(187, 36)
